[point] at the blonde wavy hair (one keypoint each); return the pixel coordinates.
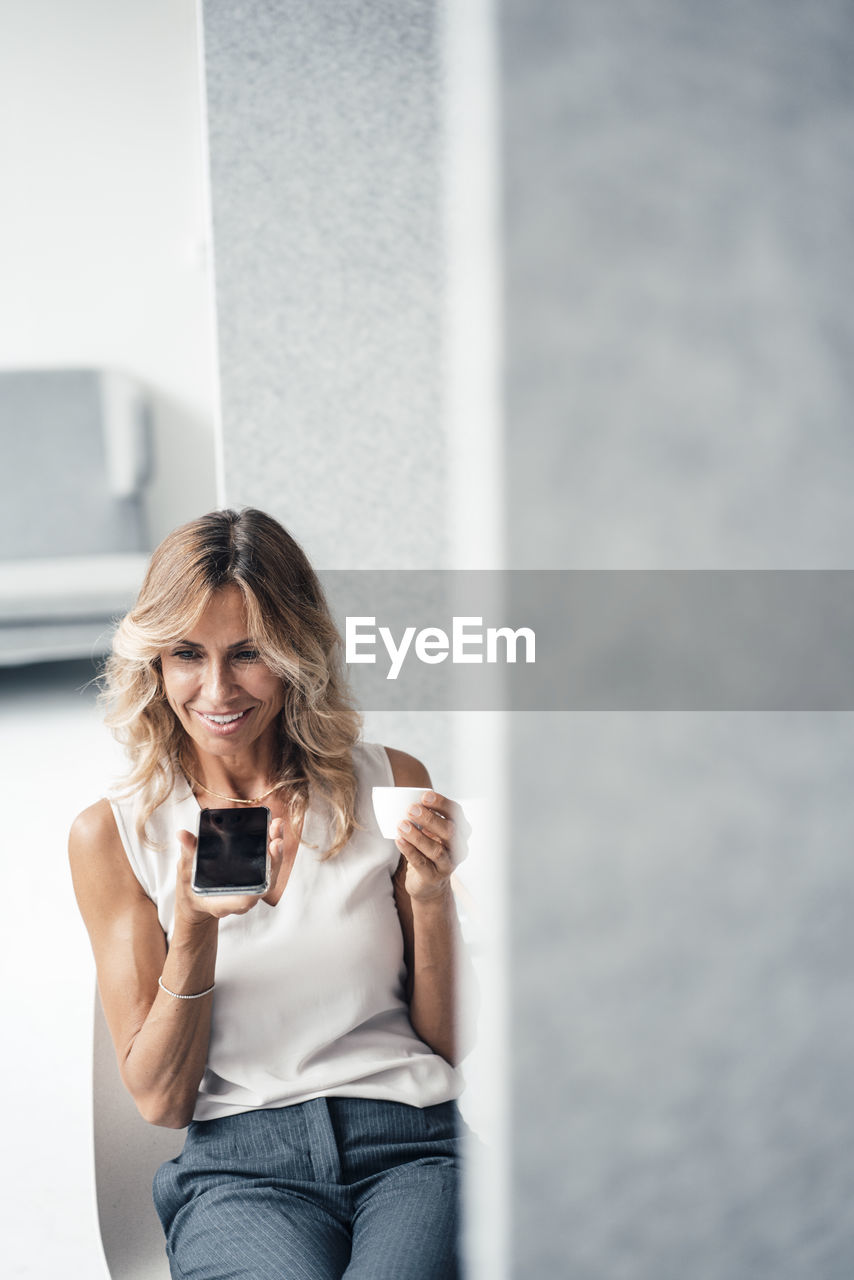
(290, 625)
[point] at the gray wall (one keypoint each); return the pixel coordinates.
(678, 212)
(678, 208)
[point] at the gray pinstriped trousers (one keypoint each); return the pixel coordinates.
(334, 1187)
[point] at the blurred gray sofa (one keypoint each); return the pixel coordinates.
(76, 463)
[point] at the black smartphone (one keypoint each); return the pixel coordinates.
(232, 851)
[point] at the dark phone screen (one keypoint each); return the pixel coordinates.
(232, 849)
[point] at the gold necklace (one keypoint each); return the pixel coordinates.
(233, 799)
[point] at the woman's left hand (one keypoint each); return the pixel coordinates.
(434, 851)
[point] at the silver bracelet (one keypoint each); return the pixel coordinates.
(178, 995)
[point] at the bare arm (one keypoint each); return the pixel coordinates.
(433, 945)
(161, 1042)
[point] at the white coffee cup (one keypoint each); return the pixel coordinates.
(391, 806)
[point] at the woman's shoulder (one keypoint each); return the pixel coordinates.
(95, 848)
(93, 828)
(388, 766)
(406, 770)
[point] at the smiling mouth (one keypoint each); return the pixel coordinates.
(221, 722)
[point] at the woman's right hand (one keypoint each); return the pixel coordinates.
(196, 908)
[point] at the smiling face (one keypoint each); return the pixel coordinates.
(225, 697)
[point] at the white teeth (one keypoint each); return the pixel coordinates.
(224, 719)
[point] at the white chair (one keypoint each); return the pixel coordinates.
(127, 1153)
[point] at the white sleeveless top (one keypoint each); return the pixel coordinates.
(309, 997)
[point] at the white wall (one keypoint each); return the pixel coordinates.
(104, 245)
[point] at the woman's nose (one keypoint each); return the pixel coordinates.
(219, 682)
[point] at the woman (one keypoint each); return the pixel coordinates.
(307, 1036)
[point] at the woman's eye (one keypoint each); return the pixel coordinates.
(186, 655)
(247, 655)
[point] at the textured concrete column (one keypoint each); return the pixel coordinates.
(324, 139)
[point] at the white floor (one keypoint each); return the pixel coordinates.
(56, 759)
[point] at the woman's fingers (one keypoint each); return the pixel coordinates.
(188, 842)
(448, 809)
(276, 846)
(423, 849)
(433, 842)
(229, 904)
(435, 824)
(436, 821)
